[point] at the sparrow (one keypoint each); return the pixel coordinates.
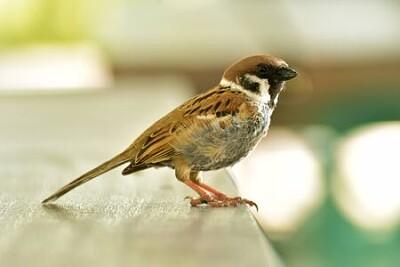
(212, 130)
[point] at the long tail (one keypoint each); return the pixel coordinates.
(106, 166)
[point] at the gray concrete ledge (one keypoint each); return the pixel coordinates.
(139, 220)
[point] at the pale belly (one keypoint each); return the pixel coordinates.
(216, 148)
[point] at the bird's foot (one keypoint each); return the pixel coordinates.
(226, 202)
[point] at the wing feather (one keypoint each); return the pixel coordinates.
(216, 107)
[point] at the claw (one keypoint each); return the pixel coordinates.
(249, 202)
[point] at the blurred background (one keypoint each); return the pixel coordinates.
(327, 178)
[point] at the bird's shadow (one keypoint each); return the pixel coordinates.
(62, 212)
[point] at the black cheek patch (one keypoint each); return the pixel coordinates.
(251, 86)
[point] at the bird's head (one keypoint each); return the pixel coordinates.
(260, 76)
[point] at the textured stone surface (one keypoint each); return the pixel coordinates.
(139, 220)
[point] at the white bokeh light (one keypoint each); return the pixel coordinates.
(54, 67)
(367, 183)
(283, 177)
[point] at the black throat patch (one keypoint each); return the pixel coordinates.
(274, 89)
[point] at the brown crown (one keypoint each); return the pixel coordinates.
(249, 64)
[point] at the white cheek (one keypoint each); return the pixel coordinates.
(225, 83)
(265, 91)
(264, 87)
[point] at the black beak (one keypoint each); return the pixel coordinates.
(286, 73)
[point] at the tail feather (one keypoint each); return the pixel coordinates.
(106, 166)
(134, 168)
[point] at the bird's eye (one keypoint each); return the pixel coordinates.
(262, 69)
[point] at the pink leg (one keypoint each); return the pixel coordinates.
(209, 195)
(232, 201)
(220, 200)
(203, 193)
(205, 197)
(218, 194)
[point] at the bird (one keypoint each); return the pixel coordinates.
(213, 130)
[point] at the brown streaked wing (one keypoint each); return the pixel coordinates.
(156, 147)
(217, 103)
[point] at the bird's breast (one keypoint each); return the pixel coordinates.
(224, 143)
